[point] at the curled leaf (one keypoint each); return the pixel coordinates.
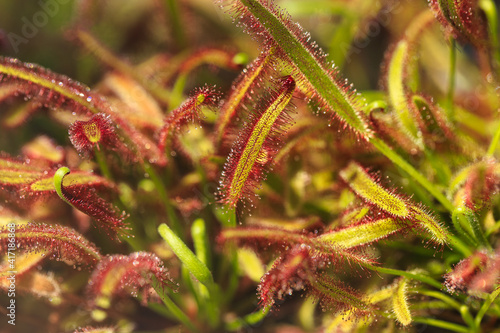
(297, 269)
(86, 200)
(97, 132)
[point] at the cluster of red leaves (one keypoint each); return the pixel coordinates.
(120, 275)
(479, 273)
(302, 264)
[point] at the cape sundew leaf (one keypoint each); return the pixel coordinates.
(35, 177)
(336, 295)
(400, 303)
(463, 19)
(14, 173)
(368, 189)
(363, 233)
(309, 67)
(400, 65)
(292, 271)
(51, 89)
(249, 77)
(428, 223)
(257, 144)
(57, 241)
(281, 240)
(118, 274)
(189, 110)
(58, 91)
(264, 237)
(297, 270)
(24, 262)
(398, 95)
(411, 214)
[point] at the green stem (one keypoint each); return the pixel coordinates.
(174, 309)
(163, 194)
(408, 168)
(101, 162)
(486, 305)
(200, 241)
(251, 319)
(494, 142)
(199, 270)
(415, 276)
(177, 27)
(463, 309)
(441, 324)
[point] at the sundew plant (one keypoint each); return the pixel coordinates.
(249, 166)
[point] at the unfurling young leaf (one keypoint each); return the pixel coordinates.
(86, 200)
(257, 144)
(400, 64)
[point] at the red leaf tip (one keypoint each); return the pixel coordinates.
(95, 132)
